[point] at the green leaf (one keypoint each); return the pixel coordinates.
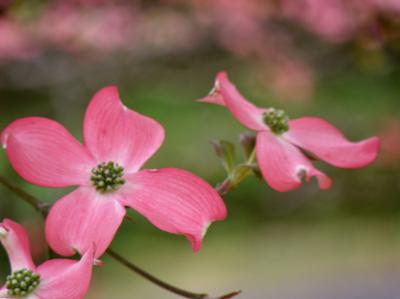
(226, 152)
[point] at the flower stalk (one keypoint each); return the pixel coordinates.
(235, 173)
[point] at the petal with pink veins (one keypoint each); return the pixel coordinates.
(82, 218)
(283, 165)
(328, 143)
(16, 243)
(65, 279)
(226, 93)
(44, 153)
(175, 201)
(112, 132)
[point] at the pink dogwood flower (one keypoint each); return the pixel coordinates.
(117, 142)
(54, 279)
(280, 141)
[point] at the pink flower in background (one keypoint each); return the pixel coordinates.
(102, 28)
(280, 141)
(292, 81)
(117, 142)
(331, 19)
(248, 28)
(54, 279)
(15, 42)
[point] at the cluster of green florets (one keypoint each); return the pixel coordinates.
(107, 177)
(22, 282)
(276, 120)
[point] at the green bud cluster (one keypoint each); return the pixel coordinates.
(107, 177)
(277, 121)
(22, 282)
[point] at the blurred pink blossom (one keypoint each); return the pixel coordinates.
(339, 20)
(330, 19)
(292, 81)
(242, 28)
(15, 41)
(166, 31)
(102, 28)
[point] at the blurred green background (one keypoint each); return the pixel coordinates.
(340, 243)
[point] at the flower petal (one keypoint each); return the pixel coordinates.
(283, 166)
(328, 143)
(44, 153)
(175, 201)
(82, 218)
(16, 243)
(65, 279)
(225, 92)
(4, 293)
(112, 132)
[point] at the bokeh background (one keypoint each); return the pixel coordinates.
(337, 59)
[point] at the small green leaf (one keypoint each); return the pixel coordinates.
(226, 153)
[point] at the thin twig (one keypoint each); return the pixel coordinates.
(43, 208)
(38, 205)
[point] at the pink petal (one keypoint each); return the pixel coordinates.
(4, 293)
(283, 165)
(82, 218)
(16, 243)
(114, 133)
(44, 153)
(226, 93)
(328, 143)
(65, 279)
(175, 201)
(214, 97)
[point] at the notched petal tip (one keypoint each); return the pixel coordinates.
(98, 263)
(4, 138)
(3, 232)
(214, 96)
(305, 175)
(196, 240)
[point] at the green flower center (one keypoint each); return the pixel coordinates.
(107, 177)
(22, 282)
(277, 120)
